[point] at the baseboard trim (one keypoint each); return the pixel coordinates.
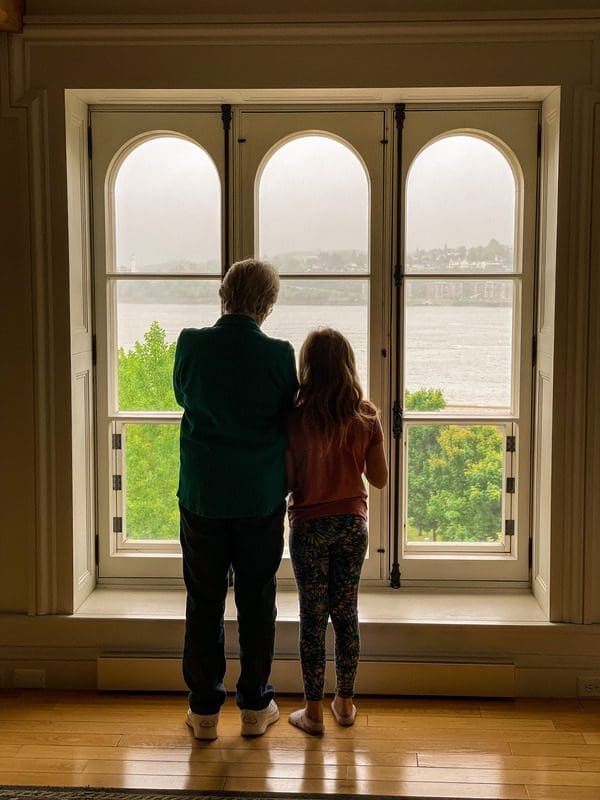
(465, 679)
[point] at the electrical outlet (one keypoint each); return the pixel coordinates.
(29, 678)
(589, 687)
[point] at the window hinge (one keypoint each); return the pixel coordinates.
(97, 548)
(94, 352)
(398, 274)
(116, 441)
(534, 350)
(117, 483)
(89, 141)
(539, 140)
(117, 524)
(397, 420)
(510, 485)
(509, 527)
(511, 444)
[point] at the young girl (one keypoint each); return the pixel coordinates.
(334, 436)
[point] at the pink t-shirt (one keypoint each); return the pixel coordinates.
(329, 483)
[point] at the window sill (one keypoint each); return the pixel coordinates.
(375, 605)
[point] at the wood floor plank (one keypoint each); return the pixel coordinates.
(512, 734)
(468, 723)
(505, 749)
(548, 749)
(60, 738)
(495, 761)
(212, 754)
(87, 752)
(294, 785)
(590, 723)
(396, 738)
(51, 764)
(89, 726)
(9, 750)
(589, 764)
(528, 707)
(219, 769)
(394, 788)
(477, 775)
(561, 793)
(119, 781)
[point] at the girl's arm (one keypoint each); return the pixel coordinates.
(376, 470)
(290, 471)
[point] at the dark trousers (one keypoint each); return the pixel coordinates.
(253, 546)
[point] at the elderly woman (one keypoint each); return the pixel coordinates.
(235, 385)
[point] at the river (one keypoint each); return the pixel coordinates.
(463, 350)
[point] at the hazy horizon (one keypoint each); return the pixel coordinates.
(313, 195)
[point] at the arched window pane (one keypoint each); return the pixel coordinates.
(313, 208)
(168, 209)
(460, 213)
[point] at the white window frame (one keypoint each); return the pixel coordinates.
(514, 132)
(155, 560)
(259, 132)
(116, 134)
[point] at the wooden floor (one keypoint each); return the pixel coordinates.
(522, 749)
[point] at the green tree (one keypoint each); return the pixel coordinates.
(151, 450)
(422, 446)
(466, 483)
(454, 476)
(145, 373)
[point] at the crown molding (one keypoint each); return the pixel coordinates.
(98, 12)
(249, 32)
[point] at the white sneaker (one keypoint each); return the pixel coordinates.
(203, 725)
(255, 723)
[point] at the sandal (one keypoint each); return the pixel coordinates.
(300, 720)
(345, 720)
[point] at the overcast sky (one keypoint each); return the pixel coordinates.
(167, 204)
(313, 195)
(460, 190)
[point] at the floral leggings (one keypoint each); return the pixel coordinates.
(327, 556)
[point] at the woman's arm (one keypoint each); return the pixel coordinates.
(376, 470)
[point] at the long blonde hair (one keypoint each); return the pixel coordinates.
(331, 398)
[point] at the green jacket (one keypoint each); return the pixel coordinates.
(235, 385)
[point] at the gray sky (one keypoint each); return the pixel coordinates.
(460, 190)
(313, 195)
(168, 204)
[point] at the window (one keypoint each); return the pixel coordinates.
(464, 358)
(162, 263)
(310, 200)
(312, 191)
